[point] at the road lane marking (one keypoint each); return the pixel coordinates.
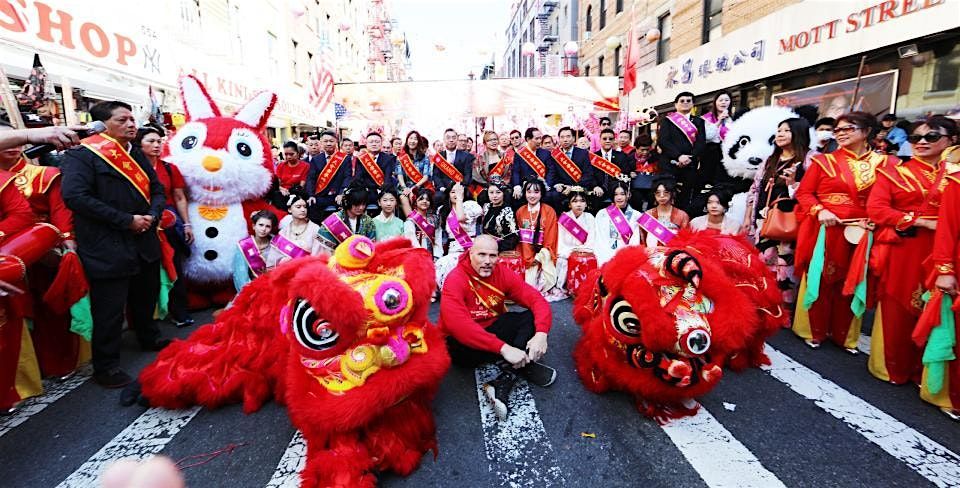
(928, 458)
(292, 462)
(717, 456)
(146, 435)
(518, 449)
(52, 391)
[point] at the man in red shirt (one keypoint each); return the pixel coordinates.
(474, 314)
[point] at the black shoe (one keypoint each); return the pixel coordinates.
(181, 324)
(130, 394)
(155, 345)
(112, 378)
(498, 393)
(538, 374)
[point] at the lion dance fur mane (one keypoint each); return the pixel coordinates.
(343, 342)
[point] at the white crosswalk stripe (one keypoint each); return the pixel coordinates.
(517, 448)
(52, 391)
(925, 456)
(291, 463)
(146, 435)
(719, 458)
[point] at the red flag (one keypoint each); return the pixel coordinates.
(630, 63)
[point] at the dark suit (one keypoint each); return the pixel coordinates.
(325, 197)
(123, 267)
(557, 175)
(388, 165)
(674, 143)
(605, 181)
(522, 171)
(463, 161)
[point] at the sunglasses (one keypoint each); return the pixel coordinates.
(846, 130)
(606, 139)
(929, 137)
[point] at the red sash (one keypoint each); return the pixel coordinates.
(491, 297)
(288, 248)
(526, 236)
(370, 165)
(406, 162)
(628, 149)
(654, 227)
(569, 166)
(684, 124)
(333, 165)
(533, 161)
(501, 166)
(603, 165)
(574, 228)
(119, 159)
(448, 169)
(337, 228)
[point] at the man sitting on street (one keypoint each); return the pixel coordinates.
(474, 314)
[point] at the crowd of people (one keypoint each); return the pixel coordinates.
(845, 222)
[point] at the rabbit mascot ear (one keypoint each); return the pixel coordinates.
(196, 100)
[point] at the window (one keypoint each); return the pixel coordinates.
(295, 67)
(236, 27)
(619, 6)
(663, 45)
(600, 66)
(946, 72)
(603, 14)
(586, 71)
(272, 59)
(589, 22)
(712, 19)
(617, 63)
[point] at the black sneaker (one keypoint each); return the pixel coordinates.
(156, 345)
(112, 378)
(498, 393)
(538, 374)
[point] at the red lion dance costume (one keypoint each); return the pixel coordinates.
(344, 342)
(661, 324)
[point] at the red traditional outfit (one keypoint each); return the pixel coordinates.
(19, 373)
(59, 351)
(291, 175)
(546, 219)
(839, 182)
(946, 261)
(903, 193)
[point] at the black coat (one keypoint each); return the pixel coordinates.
(522, 171)
(325, 196)
(104, 202)
(580, 157)
(605, 181)
(464, 164)
(674, 143)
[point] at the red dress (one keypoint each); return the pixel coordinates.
(903, 193)
(946, 260)
(19, 373)
(59, 351)
(839, 182)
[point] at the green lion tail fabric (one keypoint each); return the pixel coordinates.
(858, 304)
(940, 346)
(815, 270)
(163, 301)
(81, 321)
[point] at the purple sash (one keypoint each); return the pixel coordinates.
(575, 229)
(620, 223)
(654, 227)
(429, 229)
(457, 230)
(337, 227)
(251, 254)
(526, 237)
(684, 124)
(288, 248)
(713, 120)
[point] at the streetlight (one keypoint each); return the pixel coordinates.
(570, 49)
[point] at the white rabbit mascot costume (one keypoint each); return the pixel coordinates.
(227, 166)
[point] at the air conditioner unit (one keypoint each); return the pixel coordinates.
(587, 35)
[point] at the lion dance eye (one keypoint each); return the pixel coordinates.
(189, 142)
(696, 342)
(311, 331)
(623, 319)
(391, 298)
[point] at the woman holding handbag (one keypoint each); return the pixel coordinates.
(773, 222)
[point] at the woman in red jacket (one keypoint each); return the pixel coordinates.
(833, 195)
(904, 204)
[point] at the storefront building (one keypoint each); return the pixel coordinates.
(810, 53)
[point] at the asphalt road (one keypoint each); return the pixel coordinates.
(815, 418)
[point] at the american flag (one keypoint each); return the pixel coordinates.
(339, 110)
(321, 83)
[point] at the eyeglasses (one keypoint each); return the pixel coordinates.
(491, 140)
(929, 137)
(846, 129)
(606, 138)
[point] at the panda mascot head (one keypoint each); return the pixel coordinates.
(749, 142)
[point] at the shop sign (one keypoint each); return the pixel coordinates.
(70, 29)
(724, 62)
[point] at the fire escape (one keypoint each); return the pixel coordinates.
(378, 35)
(547, 36)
